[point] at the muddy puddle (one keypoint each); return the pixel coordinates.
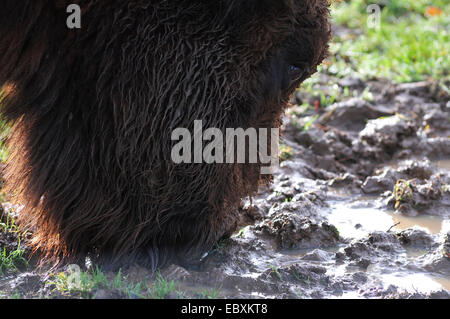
(443, 165)
(360, 208)
(357, 222)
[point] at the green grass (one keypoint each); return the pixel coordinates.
(15, 295)
(161, 288)
(285, 152)
(408, 46)
(12, 260)
(10, 226)
(275, 271)
(77, 281)
(212, 293)
(85, 284)
(241, 232)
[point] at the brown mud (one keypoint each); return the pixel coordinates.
(359, 209)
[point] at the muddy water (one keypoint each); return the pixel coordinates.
(357, 223)
(443, 164)
(416, 282)
(432, 224)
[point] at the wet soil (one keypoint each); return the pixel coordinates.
(361, 209)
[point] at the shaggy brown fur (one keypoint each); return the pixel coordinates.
(93, 110)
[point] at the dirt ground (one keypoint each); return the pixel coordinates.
(359, 208)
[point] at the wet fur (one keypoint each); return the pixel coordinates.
(93, 111)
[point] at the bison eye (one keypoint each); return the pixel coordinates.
(293, 68)
(298, 72)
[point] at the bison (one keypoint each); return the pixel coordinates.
(92, 110)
